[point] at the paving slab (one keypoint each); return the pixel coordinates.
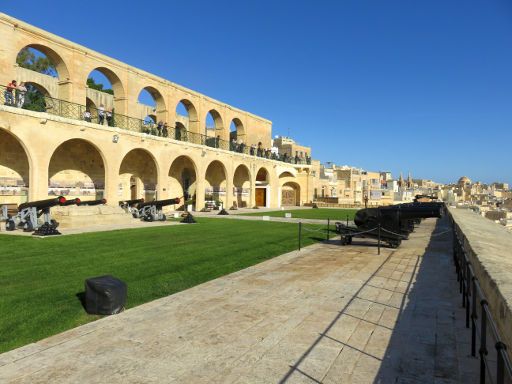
(325, 314)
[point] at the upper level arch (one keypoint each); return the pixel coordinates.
(213, 123)
(186, 114)
(42, 64)
(237, 131)
(151, 102)
(105, 87)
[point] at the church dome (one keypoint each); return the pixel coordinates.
(464, 180)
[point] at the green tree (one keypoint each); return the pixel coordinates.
(36, 61)
(99, 87)
(34, 99)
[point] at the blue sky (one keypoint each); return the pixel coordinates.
(419, 86)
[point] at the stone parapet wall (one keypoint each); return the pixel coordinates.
(489, 249)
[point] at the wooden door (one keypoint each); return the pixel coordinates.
(260, 197)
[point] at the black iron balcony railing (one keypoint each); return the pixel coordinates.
(495, 366)
(76, 111)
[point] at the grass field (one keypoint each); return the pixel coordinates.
(40, 278)
(320, 213)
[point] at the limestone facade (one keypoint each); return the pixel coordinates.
(45, 154)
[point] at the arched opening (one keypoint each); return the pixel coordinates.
(186, 114)
(290, 194)
(182, 179)
(14, 170)
(138, 176)
(105, 90)
(91, 109)
(213, 128)
(151, 102)
(262, 191)
(40, 64)
(286, 174)
(242, 186)
(76, 170)
(262, 177)
(215, 180)
(236, 131)
(180, 132)
(37, 98)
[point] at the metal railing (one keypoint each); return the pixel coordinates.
(76, 111)
(494, 362)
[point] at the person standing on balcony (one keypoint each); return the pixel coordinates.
(109, 118)
(9, 93)
(101, 114)
(87, 116)
(21, 90)
(159, 128)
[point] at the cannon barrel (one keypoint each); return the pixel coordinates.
(93, 202)
(130, 202)
(41, 204)
(159, 203)
(392, 215)
(70, 202)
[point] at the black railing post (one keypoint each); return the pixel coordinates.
(463, 280)
(328, 225)
(473, 318)
(300, 233)
(378, 251)
(500, 365)
(347, 220)
(483, 342)
(468, 292)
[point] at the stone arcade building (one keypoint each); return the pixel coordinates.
(47, 153)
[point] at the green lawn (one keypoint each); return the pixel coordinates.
(317, 213)
(40, 278)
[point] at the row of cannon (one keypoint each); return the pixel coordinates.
(28, 216)
(390, 224)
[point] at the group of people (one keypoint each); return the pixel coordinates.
(103, 115)
(162, 129)
(15, 94)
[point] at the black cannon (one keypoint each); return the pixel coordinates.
(130, 205)
(152, 210)
(391, 224)
(70, 202)
(28, 214)
(93, 202)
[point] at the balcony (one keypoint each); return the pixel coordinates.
(76, 111)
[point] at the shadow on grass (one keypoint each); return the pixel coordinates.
(81, 297)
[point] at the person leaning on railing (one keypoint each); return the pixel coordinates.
(87, 116)
(9, 93)
(21, 91)
(101, 114)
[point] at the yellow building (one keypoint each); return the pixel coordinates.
(63, 150)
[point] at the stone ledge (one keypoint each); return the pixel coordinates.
(489, 249)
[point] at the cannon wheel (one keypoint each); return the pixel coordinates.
(345, 240)
(10, 225)
(28, 227)
(148, 218)
(395, 243)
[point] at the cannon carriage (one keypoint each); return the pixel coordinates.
(390, 224)
(27, 217)
(152, 210)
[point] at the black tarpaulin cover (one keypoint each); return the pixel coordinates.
(104, 295)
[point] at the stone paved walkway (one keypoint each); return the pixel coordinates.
(326, 314)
